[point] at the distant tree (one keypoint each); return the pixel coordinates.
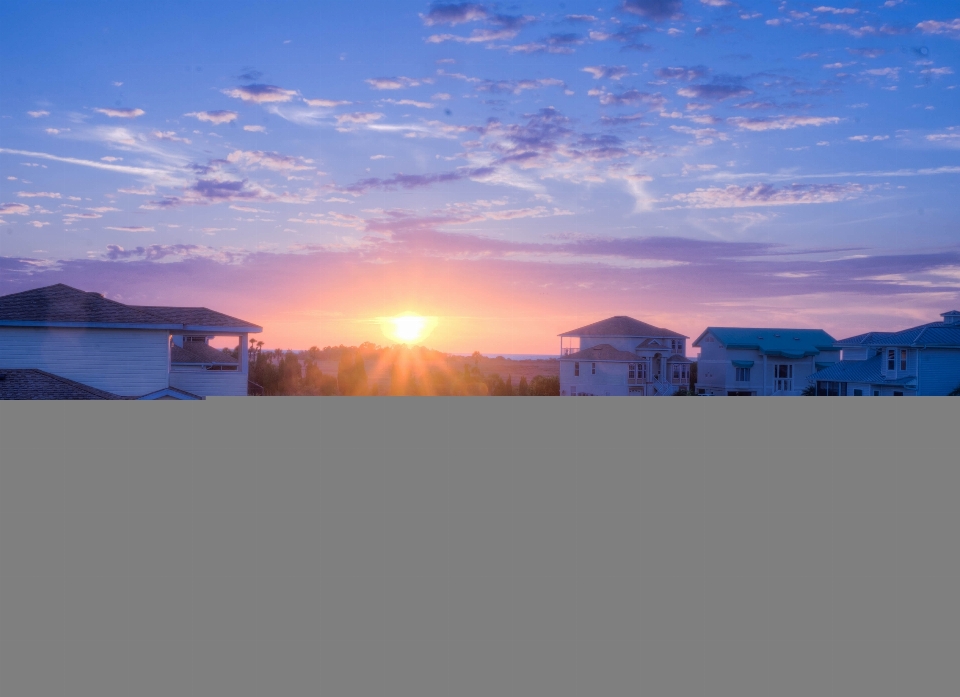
(955, 392)
(351, 374)
(523, 389)
(809, 390)
(693, 378)
(545, 386)
(508, 388)
(290, 374)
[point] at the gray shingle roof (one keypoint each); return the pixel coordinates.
(600, 352)
(62, 303)
(868, 372)
(200, 353)
(622, 326)
(195, 316)
(31, 383)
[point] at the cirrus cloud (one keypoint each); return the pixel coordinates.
(781, 123)
(215, 117)
(767, 195)
(118, 113)
(260, 94)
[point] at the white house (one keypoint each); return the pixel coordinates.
(127, 351)
(622, 356)
(744, 361)
(920, 361)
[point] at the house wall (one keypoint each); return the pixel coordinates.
(610, 378)
(939, 371)
(717, 373)
(128, 362)
(896, 372)
(210, 383)
(859, 353)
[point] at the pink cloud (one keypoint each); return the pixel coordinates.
(119, 113)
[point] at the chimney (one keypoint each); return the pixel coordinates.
(952, 317)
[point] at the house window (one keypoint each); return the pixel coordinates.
(743, 375)
(631, 371)
(898, 394)
(593, 368)
(680, 373)
(576, 370)
(903, 359)
(891, 360)
(876, 393)
(858, 393)
(782, 377)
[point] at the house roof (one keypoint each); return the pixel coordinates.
(200, 353)
(930, 334)
(195, 316)
(786, 343)
(600, 352)
(31, 383)
(623, 326)
(868, 371)
(62, 305)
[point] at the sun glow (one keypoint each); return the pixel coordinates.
(408, 327)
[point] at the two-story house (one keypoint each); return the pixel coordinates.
(747, 361)
(920, 361)
(57, 333)
(622, 356)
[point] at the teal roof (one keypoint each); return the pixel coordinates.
(743, 364)
(785, 343)
(868, 371)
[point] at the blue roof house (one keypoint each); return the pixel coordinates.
(920, 361)
(751, 361)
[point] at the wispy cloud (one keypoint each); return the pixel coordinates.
(216, 117)
(38, 114)
(38, 194)
(131, 228)
(391, 83)
(255, 129)
(608, 72)
(865, 139)
(950, 27)
(14, 209)
(717, 92)
(781, 123)
(325, 103)
(767, 195)
(153, 173)
(260, 94)
(118, 113)
(657, 10)
(269, 160)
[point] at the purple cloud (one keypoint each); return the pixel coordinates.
(657, 10)
(261, 94)
(717, 92)
(215, 117)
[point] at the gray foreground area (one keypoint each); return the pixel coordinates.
(480, 546)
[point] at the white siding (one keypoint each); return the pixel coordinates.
(210, 383)
(127, 362)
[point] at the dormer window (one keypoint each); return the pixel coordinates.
(903, 359)
(891, 360)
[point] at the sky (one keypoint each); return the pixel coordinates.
(514, 170)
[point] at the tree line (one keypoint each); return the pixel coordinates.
(410, 370)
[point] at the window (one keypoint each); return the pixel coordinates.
(681, 373)
(576, 369)
(898, 394)
(593, 368)
(891, 360)
(858, 393)
(631, 371)
(876, 393)
(903, 359)
(782, 377)
(743, 375)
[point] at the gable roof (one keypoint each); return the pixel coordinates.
(31, 383)
(785, 343)
(930, 334)
(622, 325)
(868, 372)
(601, 352)
(62, 305)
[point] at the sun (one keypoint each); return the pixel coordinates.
(407, 327)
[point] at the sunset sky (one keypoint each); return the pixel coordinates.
(513, 169)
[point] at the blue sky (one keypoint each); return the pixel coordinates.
(515, 169)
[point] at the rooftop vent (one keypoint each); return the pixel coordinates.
(952, 317)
